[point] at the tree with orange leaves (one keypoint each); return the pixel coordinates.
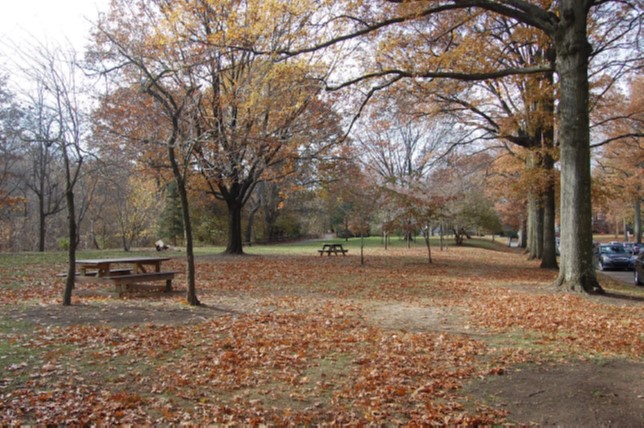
(247, 118)
(441, 54)
(622, 158)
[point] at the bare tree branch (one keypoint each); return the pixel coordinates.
(469, 77)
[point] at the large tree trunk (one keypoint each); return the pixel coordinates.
(549, 254)
(42, 225)
(539, 224)
(251, 221)
(459, 235)
(535, 226)
(637, 221)
(572, 47)
(535, 210)
(530, 227)
(234, 227)
(428, 244)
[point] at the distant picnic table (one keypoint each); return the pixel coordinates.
(332, 248)
(127, 273)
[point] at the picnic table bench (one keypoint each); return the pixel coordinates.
(333, 248)
(139, 273)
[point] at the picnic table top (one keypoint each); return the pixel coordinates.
(115, 260)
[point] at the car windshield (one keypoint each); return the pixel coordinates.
(613, 249)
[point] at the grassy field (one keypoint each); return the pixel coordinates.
(286, 337)
(294, 248)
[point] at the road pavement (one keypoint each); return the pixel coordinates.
(625, 276)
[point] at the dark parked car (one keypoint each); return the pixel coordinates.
(612, 256)
(638, 275)
(632, 247)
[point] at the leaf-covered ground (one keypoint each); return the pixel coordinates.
(300, 339)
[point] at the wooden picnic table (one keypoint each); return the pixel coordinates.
(333, 248)
(127, 273)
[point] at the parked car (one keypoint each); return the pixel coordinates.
(638, 271)
(632, 247)
(612, 256)
(557, 246)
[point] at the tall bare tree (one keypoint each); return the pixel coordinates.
(44, 174)
(10, 153)
(59, 97)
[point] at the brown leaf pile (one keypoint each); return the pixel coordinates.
(295, 343)
(569, 323)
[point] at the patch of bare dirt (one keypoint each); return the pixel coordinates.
(399, 316)
(580, 394)
(119, 314)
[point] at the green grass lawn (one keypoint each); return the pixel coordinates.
(292, 248)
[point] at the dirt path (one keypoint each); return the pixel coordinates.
(580, 394)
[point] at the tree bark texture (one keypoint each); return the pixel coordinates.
(576, 271)
(251, 221)
(529, 227)
(549, 254)
(42, 225)
(234, 227)
(535, 226)
(428, 245)
(637, 221)
(71, 252)
(549, 247)
(191, 293)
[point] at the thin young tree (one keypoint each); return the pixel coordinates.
(152, 102)
(43, 176)
(59, 97)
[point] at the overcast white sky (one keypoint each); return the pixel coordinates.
(47, 21)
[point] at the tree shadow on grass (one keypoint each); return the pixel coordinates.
(120, 313)
(627, 298)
